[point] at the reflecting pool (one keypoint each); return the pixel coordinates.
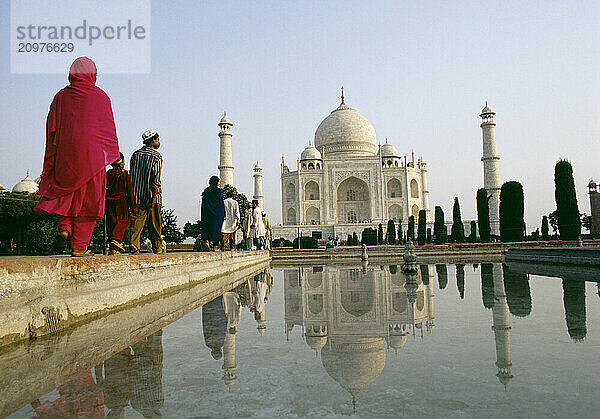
(334, 340)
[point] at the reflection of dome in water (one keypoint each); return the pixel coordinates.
(355, 362)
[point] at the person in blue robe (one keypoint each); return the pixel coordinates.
(212, 214)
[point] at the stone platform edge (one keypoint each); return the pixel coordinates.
(40, 295)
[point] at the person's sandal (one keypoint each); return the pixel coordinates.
(81, 253)
(115, 245)
(61, 241)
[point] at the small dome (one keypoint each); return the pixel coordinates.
(225, 120)
(316, 342)
(257, 166)
(388, 150)
(592, 184)
(310, 153)
(397, 341)
(487, 110)
(26, 185)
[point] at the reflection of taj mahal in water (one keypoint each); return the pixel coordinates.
(354, 316)
(351, 316)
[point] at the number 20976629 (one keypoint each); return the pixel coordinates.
(46, 47)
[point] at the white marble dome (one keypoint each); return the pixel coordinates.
(310, 153)
(388, 150)
(26, 185)
(354, 362)
(345, 131)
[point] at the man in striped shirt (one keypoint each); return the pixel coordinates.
(146, 169)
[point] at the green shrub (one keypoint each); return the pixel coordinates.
(391, 232)
(458, 229)
(422, 228)
(39, 237)
(439, 228)
(306, 242)
(369, 237)
(567, 211)
(281, 242)
(512, 224)
(483, 215)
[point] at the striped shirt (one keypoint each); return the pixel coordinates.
(146, 170)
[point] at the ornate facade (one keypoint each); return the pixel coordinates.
(346, 182)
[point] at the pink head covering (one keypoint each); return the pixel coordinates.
(83, 69)
(81, 138)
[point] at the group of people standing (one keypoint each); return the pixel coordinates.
(222, 226)
(81, 141)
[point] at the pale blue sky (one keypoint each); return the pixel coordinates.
(419, 71)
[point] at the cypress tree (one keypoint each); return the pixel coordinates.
(569, 223)
(442, 274)
(422, 228)
(380, 234)
(545, 228)
(483, 215)
(428, 235)
(410, 235)
(512, 224)
(400, 232)
(458, 229)
(460, 280)
(391, 232)
(473, 234)
(438, 226)
(349, 240)
(354, 239)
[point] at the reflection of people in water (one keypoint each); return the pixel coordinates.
(79, 398)
(116, 382)
(460, 280)
(442, 273)
(260, 290)
(214, 326)
(518, 294)
(574, 302)
(233, 310)
(147, 362)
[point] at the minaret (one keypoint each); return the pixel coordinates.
(425, 189)
(226, 163)
(491, 173)
(501, 327)
(229, 365)
(258, 190)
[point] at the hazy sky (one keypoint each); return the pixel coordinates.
(419, 71)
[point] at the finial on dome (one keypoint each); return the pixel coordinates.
(343, 94)
(386, 140)
(486, 103)
(27, 173)
(353, 403)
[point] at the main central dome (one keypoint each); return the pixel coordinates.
(345, 131)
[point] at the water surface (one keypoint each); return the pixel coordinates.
(464, 340)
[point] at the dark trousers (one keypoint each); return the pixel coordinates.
(151, 217)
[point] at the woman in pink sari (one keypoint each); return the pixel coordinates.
(81, 140)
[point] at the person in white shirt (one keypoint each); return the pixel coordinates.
(257, 229)
(247, 228)
(231, 222)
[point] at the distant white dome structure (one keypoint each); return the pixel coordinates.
(310, 153)
(27, 185)
(346, 131)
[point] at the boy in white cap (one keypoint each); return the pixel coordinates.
(146, 171)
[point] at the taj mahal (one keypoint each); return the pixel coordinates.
(345, 181)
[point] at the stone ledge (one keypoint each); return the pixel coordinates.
(40, 295)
